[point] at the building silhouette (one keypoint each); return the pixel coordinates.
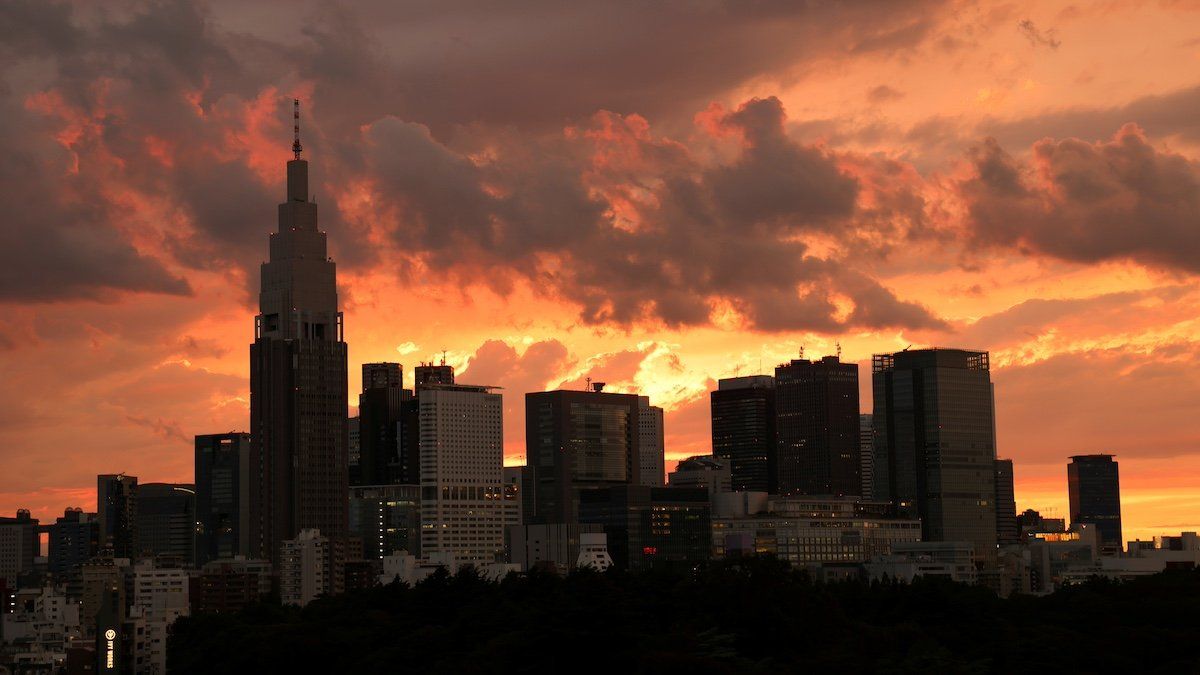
(935, 442)
(1094, 490)
(298, 397)
(222, 492)
(743, 430)
(116, 513)
(19, 545)
(866, 454)
(1007, 531)
(166, 521)
(651, 443)
(577, 441)
(817, 427)
(387, 455)
(73, 539)
(650, 525)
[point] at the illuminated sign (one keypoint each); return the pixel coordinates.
(110, 651)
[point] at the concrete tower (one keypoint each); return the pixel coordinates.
(298, 424)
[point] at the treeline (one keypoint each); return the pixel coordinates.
(756, 616)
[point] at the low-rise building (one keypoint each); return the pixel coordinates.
(650, 525)
(952, 560)
(305, 568)
(556, 546)
(229, 585)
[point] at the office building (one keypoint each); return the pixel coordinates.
(702, 471)
(429, 374)
(116, 513)
(166, 521)
(908, 560)
(462, 473)
(73, 539)
(866, 454)
(935, 442)
(1007, 531)
(1094, 491)
(578, 441)
(383, 458)
(809, 531)
(222, 495)
(648, 526)
(514, 497)
(651, 443)
(386, 519)
(19, 545)
(555, 546)
(305, 568)
(743, 430)
(298, 397)
(353, 452)
(229, 585)
(160, 597)
(817, 427)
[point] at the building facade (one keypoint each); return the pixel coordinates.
(166, 521)
(116, 514)
(935, 447)
(702, 471)
(19, 545)
(222, 493)
(647, 526)
(383, 458)
(73, 540)
(462, 460)
(743, 430)
(651, 443)
(306, 568)
(386, 518)
(817, 427)
(1094, 491)
(578, 441)
(298, 397)
(1007, 531)
(866, 454)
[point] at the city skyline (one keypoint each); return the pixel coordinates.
(158, 201)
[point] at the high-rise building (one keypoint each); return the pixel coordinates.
(650, 525)
(383, 458)
(305, 569)
(222, 492)
(651, 443)
(817, 427)
(702, 471)
(73, 540)
(18, 546)
(514, 495)
(386, 518)
(116, 513)
(298, 398)
(353, 452)
(462, 473)
(866, 454)
(166, 521)
(1007, 531)
(743, 430)
(1094, 489)
(577, 441)
(429, 374)
(935, 445)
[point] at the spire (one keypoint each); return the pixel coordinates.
(296, 147)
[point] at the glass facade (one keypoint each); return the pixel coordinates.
(1094, 489)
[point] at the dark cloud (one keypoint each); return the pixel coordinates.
(883, 93)
(1089, 202)
(1039, 38)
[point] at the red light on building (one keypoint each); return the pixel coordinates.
(649, 550)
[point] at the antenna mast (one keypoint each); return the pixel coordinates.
(296, 147)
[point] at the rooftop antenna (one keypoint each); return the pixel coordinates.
(801, 351)
(588, 386)
(443, 357)
(839, 349)
(296, 147)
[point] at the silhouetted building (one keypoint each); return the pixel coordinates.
(383, 459)
(386, 518)
(222, 492)
(116, 513)
(298, 398)
(19, 545)
(1007, 531)
(650, 525)
(1094, 487)
(548, 546)
(935, 442)
(428, 374)
(229, 585)
(578, 441)
(166, 520)
(651, 443)
(353, 450)
(462, 473)
(743, 430)
(817, 427)
(514, 495)
(866, 454)
(73, 540)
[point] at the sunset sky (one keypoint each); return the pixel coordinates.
(653, 195)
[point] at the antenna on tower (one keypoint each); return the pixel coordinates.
(801, 351)
(839, 349)
(296, 147)
(443, 357)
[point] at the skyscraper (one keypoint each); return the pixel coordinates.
(935, 442)
(576, 441)
(166, 520)
(73, 540)
(651, 443)
(866, 454)
(222, 491)
(382, 459)
(462, 473)
(1007, 531)
(116, 512)
(18, 546)
(817, 427)
(428, 373)
(298, 398)
(1094, 489)
(743, 430)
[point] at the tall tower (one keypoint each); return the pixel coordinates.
(817, 427)
(1094, 489)
(298, 424)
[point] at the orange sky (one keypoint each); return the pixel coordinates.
(652, 198)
